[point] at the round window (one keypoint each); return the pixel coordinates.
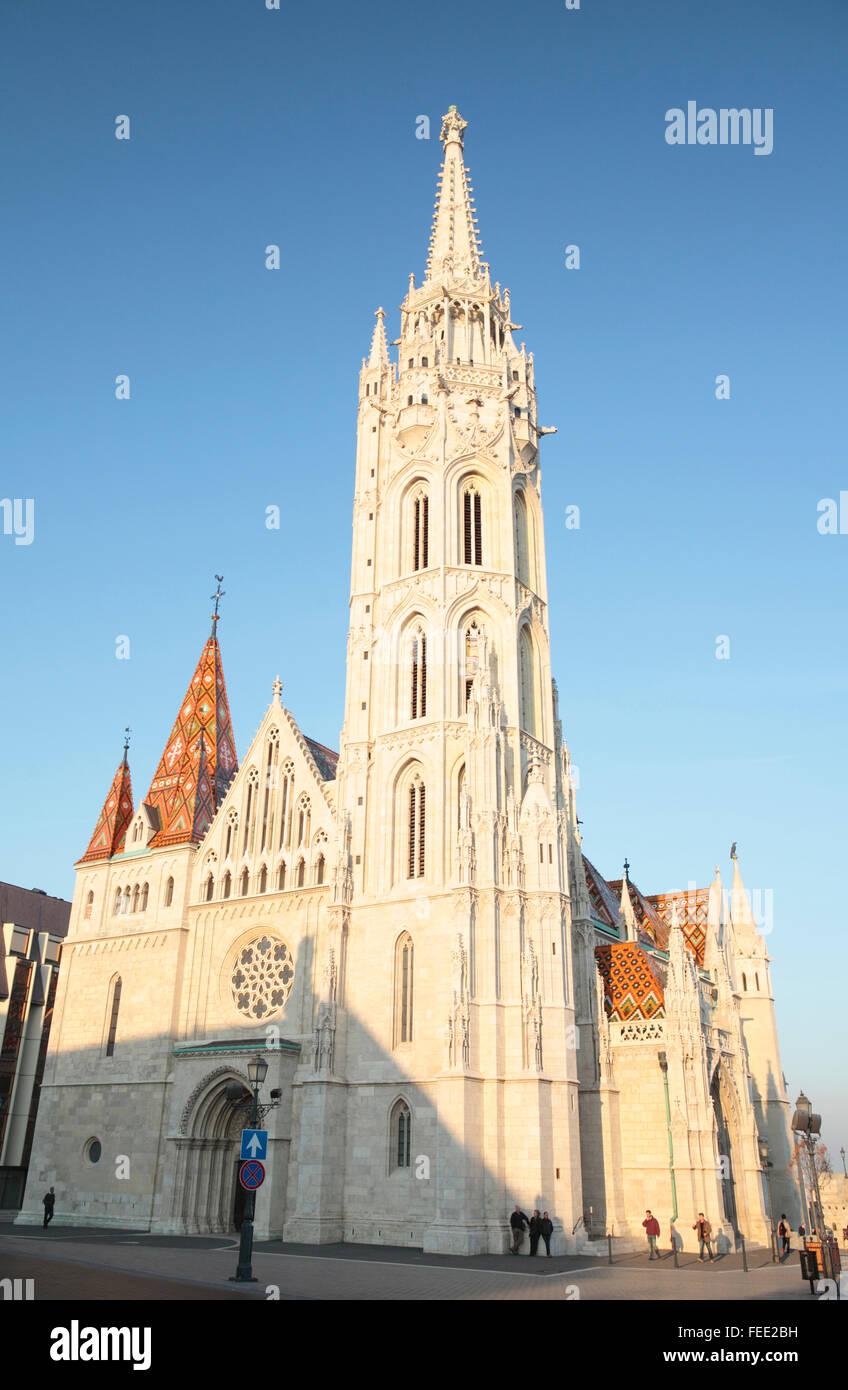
(261, 977)
(94, 1150)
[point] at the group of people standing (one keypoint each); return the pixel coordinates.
(538, 1225)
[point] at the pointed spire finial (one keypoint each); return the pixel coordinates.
(627, 870)
(218, 595)
(379, 355)
(454, 245)
(278, 688)
(733, 850)
(127, 732)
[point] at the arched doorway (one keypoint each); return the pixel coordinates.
(207, 1192)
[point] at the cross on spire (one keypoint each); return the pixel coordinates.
(127, 732)
(218, 595)
(627, 871)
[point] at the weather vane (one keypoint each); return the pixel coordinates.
(127, 732)
(627, 871)
(218, 595)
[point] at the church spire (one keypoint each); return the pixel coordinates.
(110, 833)
(454, 245)
(199, 760)
(627, 927)
(379, 356)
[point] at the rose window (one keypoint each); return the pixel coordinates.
(262, 977)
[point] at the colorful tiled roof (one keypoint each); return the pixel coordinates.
(325, 759)
(604, 904)
(692, 910)
(631, 989)
(199, 761)
(110, 833)
(650, 924)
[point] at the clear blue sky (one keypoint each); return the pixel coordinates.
(698, 516)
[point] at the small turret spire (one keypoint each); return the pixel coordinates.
(627, 927)
(379, 356)
(110, 833)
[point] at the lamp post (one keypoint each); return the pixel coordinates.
(844, 1169)
(766, 1164)
(807, 1123)
(257, 1070)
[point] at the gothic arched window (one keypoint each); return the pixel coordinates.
(210, 888)
(420, 531)
(250, 809)
(286, 804)
(319, 869)
(135, 895)
(228, 884)
(145, 894)
(472, 527)
(270, 780)
(529, 694)
(403, 989)
(89, 906)
(281, 877)
(113, 1017)
(400, 1130)
(418, 675)
(232, 831)
(169, 892)
(245, 882)
(304, 816)
(522, 540)
(416, 828)
(263, 879)
(118, 895)
(300, 872)
(471, 658)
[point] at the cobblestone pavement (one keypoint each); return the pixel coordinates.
(382, 1273)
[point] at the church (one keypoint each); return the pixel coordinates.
(458, 1011)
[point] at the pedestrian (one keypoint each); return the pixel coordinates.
(652, 1230)
(546, 1230)
(705, 1237)
(49, 1200)
(535, 1223)
(518, 1221)
(783, 1232)
(802, 1231)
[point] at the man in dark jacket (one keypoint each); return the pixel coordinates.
(49, 1200)
(652, 1230)
(546, 1230)
(535, 1232)
(518, 1221)
(705, 1238)
(783, 1232)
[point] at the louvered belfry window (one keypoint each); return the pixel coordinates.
(421, 533)
(472, 527)
(418, 677)
(417, 817)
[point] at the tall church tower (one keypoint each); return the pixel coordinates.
(459, 1044)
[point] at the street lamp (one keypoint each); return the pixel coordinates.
(765, 1163)
(844, 1169)
(257, 1070)
(805, 1121)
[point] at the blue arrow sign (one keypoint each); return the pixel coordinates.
(254, 1143)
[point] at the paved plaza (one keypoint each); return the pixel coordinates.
(73, 1262)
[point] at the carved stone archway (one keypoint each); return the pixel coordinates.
(205, 1193)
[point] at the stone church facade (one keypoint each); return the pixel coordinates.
(457, 1010)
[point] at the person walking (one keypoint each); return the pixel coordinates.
(518, 1222)
(49, 1200)
(652, 1230)
(546, 1230)
(705, 1237)
(535, 1223)
(783, 1232)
